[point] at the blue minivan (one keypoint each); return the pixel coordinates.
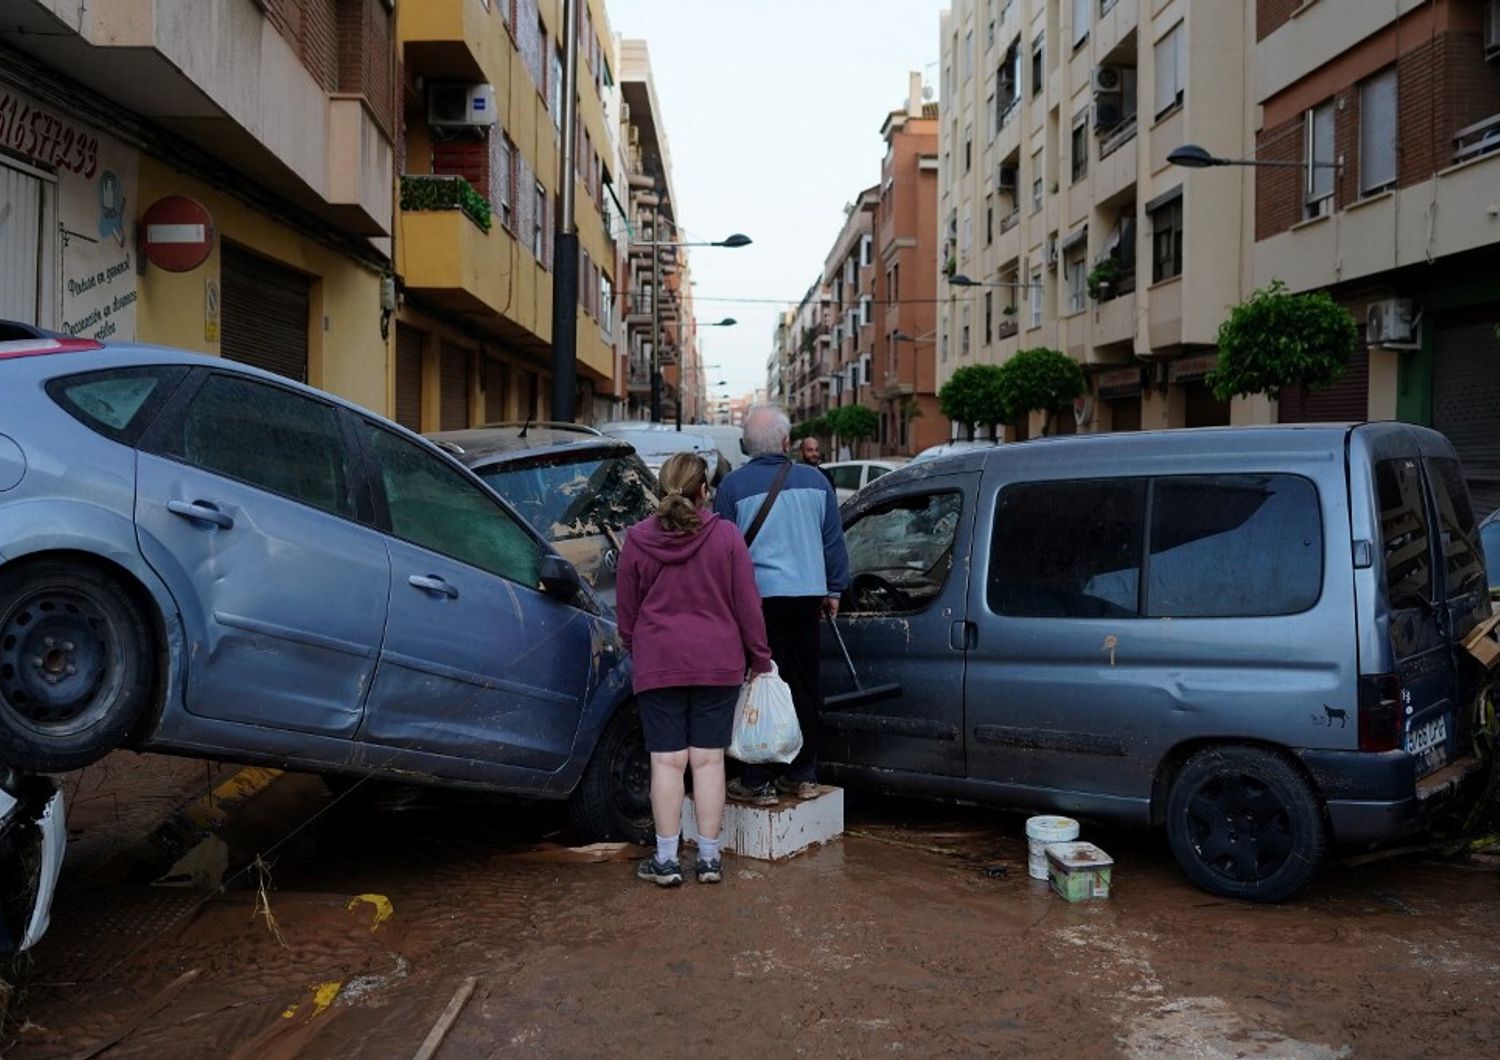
(1250, 637)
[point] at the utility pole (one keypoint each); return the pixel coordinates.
(565, 246)
(656, 312)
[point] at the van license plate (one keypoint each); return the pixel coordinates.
(1425, 739)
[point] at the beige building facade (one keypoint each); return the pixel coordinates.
(1056, 199)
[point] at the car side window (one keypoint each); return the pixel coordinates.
(1068, 549)
(117, 402)
(1405, 532)
(874, 472)
(1461, 555)
(901, 553)
(845, 478)
(266, 437)
(434, 506)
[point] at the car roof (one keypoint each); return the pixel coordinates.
(494, 443)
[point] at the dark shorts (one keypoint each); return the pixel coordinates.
(675, 719)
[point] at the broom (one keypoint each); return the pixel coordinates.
(861, 694)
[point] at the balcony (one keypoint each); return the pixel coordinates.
(1114, 320)
(1477, 140)
(457, 40)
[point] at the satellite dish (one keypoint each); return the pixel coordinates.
(927, 93)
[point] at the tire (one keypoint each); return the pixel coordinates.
(613, 799)
(77, 666)
(1244, 823)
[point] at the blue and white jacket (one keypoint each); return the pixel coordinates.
(800, 549)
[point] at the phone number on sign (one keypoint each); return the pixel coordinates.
(40, 137)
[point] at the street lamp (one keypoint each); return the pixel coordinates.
(1192, 156)
(961, 280)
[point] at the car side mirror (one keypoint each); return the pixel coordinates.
(559, 578)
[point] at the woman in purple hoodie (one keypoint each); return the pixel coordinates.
(690, 615)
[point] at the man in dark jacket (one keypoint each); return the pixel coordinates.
(801, 568)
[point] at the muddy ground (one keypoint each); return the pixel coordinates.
(899, 939)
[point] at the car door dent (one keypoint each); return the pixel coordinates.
(292, 633)
(453, 673)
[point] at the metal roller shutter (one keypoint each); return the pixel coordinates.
(496, 383)
(409, 377)
(454, 389)
(1466, 398)
(265, 310)
(20, 246)
(1347, 401)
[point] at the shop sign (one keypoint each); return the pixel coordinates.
(1191, 369)
(1120, 383)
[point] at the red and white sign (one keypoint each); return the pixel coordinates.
(177, 234)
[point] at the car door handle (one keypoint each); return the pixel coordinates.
(431, 583)
(963, 636)
(202, 512)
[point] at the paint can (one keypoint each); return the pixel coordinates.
(1043, 830)
(1079, 871)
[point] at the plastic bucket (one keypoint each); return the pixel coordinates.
(1043, 830)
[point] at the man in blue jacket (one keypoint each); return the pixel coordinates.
(801, 567)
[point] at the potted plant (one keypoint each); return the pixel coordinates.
(1103, 277)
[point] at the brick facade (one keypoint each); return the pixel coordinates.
(1271, 15)
(346, 45)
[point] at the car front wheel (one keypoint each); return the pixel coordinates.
(613, 798)
(1244, 823)
(76, 666)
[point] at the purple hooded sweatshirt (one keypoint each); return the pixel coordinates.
(687, 606)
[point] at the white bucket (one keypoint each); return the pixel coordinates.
(1043, 830)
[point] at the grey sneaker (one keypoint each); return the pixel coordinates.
(661, 873)
(738, 791)
(709, 871)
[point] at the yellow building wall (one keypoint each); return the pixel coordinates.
(346, 354)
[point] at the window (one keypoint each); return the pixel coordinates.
(573, 497)
(1404, 531)
(866, 310)
(1377, 132)
(943, 345)
(989, 39)
(1080, 145)
(1234, 545)
(539, 225)
(963, 347)
(1463, 570)
(1318, 197)
(901, 554)
(1171, 69)
(501, 174)
(268, 438)
(896, 281)
(1074, 268)
(1038, 65)
(968, 56)
(1036, 192)
(435, 507)
(989, 315)
(555, 88)
(1080, 21)
(118, 403)
(845, 477)
(1166, 241)
(1034, 294)
(866, 251)
(968, 148)
(1068, 549)
(989, 220)
(1009, 80)
(606, 304)
(968, 233)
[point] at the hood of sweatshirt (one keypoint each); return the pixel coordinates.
(668, 547)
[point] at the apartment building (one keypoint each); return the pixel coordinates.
(1058, 205)
(779, 363)
(229, 192)
(849, 278)
(906, 234)
(1398, 104)
(809, 369)
(482, 100)
(661, 335)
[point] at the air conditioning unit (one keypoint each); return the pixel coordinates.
(460, 106)
(1006, 178)
(1390, 322)
(1108, 79)
(1492, 29)
(1109, 111)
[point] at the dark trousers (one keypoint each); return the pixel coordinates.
(796, 643)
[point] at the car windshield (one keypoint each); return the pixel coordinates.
(576, 495)
(1489, 534)
(656, 446)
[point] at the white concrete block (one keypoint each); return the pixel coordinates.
(771, 833)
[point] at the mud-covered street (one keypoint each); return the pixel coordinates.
(919, 933)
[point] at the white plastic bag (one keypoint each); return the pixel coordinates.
(765, 721)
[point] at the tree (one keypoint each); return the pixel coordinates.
(1277, 339)
(813, 428)
(853, 422)
(975, 394)
(1040, 379)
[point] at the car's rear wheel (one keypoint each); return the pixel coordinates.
(76, 665)
(613, 798)
(1244, 823)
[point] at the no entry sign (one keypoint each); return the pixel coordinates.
(177, 234)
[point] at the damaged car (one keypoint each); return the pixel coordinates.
(202, 558)
(1250, 638)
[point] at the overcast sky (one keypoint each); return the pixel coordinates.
(773, 112)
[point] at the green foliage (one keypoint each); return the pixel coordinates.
(1040, 378)
(975, 394)
(1103, 277)
(429, 192)
(1276, 339)
(853, 422)
(816, 427)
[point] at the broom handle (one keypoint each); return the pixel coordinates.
(847, 661)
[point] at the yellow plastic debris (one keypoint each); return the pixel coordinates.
(383, 908)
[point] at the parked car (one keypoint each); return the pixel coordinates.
(1246, 637)
(655, 442)
(576, 487)
(730, 440)
(33, 837)
(1489, 533)
(851, 476)
(956, 446)
(202, 558)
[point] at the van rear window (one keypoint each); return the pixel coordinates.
(1463, 566)
(1405, 533)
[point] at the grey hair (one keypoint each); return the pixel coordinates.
(767, 430)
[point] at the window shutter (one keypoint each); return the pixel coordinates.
(1377, 131)
(1080, 20)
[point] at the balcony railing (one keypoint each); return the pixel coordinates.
(1481, 138)
(1010, 220)
(1118, 137)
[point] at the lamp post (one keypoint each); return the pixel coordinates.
(727, 322)
(1192, 156)
(565, 245)
(961, 280)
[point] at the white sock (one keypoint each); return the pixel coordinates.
(666, 848)
(708, 849)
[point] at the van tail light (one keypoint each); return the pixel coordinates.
(1382, 712)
